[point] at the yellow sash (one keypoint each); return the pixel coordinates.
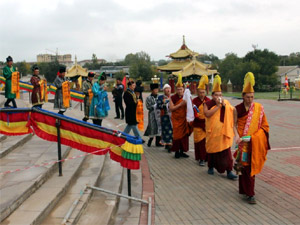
(140, 115)
(15, 87)
(66, 94)
(90, 95)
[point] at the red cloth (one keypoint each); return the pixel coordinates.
(181, 144)
(200, 150)
(246, 182)
(221, 161)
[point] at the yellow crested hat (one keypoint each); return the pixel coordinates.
(217, 84)
(249, 82)
(203, 82)
(179, 81)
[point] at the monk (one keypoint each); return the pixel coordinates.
(181, 131)
(253, 133)
(199, 121)
(219, 121)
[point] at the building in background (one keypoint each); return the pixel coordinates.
(63, 59)
(292, 73)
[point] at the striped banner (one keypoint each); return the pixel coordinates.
(123, 148)
(15, 123)
(26, 86)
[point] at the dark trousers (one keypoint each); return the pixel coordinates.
(9, 100)
(119, 107)
(246, 182)
(221, 161)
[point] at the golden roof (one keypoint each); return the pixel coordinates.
(76, 70)
(183, 52)
(195, 68)
(174, 65)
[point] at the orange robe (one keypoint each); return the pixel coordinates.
(219, 135)
(256, 149)
(180, 126)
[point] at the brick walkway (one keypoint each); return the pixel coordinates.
(186, 194)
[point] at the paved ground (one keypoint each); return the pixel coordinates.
(186, 194)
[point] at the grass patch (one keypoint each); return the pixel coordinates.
(264, 95)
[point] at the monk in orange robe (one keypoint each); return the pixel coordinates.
(253, 128)
(199, 121)
(219, 132)
(181, 129)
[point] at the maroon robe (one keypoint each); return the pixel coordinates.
(200, 150)
(246, 182)
(36, 91)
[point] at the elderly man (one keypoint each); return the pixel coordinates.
(166, 128)
(7, 73)
(181, 129)
(253, 139)
(219, 131)
(199, 121)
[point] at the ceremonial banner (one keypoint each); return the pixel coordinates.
(15, 123)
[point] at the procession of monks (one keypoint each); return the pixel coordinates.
(217, 126)
(215, 122)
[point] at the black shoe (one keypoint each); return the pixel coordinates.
(117, 117)
(182, 154)
(201, 163)
(85, 119)
(157, 141)
(149, 142)
(177, 155)
(143, 141)
(251, 200)
(122, 118)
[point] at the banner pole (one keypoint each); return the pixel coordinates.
(59, 147)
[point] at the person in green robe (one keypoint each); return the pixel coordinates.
(7, 72)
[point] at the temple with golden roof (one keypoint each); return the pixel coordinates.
(75, 73)
(185, 61)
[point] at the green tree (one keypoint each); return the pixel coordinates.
(49, 70)
(230, 68)
(140, 65)
(23, 67)
(265, 62)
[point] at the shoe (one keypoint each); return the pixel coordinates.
(177, 155)
(117, 117)
(149, 142)
(210, 171)
(231, 176)
(122, 118)
(251, 200)
(182, 154)
(201, 163)
(143, 141)
(85, 119)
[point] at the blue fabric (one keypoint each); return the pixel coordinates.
(99, 106)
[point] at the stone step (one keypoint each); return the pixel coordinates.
(41, 202)
(2, 137)
(101, 205)
(128, 211)
(16, 187)
(89, 174)
(9, 143)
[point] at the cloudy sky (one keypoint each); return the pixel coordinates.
(112, 29)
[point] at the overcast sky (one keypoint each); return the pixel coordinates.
(112, 29)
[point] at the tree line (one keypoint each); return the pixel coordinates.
(263, 63)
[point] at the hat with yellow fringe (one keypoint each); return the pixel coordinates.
(179, 81)
(217, 84)
(203, 82)
(249, 82)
